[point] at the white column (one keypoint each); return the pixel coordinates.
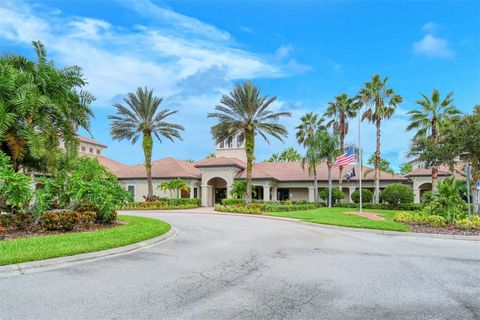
(274, 193)
(229, 189)
(350, 191)
(266, 193)
(311, 194)
(192, 192)
(206, 195)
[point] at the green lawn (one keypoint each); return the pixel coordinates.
(59, 245)
(337, 217)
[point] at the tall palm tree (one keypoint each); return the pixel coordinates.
(245, 110)
(141, 117)
(310, 122)
(339, 111)
(322, 146)
(290, 154)
(381, 103)
(428, 120)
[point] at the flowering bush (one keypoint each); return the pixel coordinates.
(435, 221)
(469, 223)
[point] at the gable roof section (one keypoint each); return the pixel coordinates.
(164, 168)
(221, 162)
(91, 141)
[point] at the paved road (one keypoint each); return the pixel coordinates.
(228, 267)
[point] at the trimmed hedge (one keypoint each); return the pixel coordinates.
(383, 206)
(396, 194)
(250, 209)
(291, 207)
(166, 204)
(232, 201)
(367, 196)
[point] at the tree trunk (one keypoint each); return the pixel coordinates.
(434, 178)
(147, 150)
(315, 184)
(329, 185)
(249, 150)
(377, 165)
(342, 146)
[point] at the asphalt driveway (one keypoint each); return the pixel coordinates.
(229, 267)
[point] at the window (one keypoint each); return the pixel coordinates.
(90, 150)
(230, 142)
(240, 139)
(131, 189)
(98, 151)
(83, 149)
(195, 193)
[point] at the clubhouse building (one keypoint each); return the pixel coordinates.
(211, 179)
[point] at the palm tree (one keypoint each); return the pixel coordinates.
(339, 111)
(245, 110)
(290, 155)
(381, 103)
(430, 118)
(310, 122)
(322, 146)
(141, 117)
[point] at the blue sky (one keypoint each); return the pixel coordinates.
(305, 53)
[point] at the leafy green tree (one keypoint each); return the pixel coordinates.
(337, 195)
(39, 104)
(381, 103)
(384, 164)
(244, 110)
(176, 185)
(339, 111)
(140, 117)
(405, 168)
(459, 140)
(322, 146)
(428, 121)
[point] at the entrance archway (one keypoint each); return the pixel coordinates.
(219, 189)
(424, 187)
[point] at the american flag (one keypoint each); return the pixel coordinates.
(346, 158)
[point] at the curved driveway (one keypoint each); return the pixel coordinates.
(230, 267)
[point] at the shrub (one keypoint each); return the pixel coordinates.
(15, 190)
(291, 207)
(59, 220)
(469, 223)
(166, 204)
(232, 201)
(447, 201)
(88, 184)
(250, 209)
(403, 217)
(367, 196)
(435, 221)
(336, 195)
(18, 220)
(383, 206)
(427, 197)
(396, 194)
(87, 218)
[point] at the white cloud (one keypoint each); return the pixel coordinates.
(283, 51)
(433, 47)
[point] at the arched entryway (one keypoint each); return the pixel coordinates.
(218, 189)
(424, 187)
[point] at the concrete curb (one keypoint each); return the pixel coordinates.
(349, 229)
(55, 263)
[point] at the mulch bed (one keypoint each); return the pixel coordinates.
(449, 229)
(35, 230)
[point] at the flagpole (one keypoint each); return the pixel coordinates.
(360, 159)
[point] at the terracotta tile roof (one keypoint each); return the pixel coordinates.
(293, 171)
(442, 171)
(221, 162)
(164, 168)
(88, 140)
